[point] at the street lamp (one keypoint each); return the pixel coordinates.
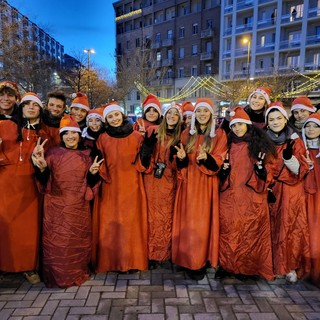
(88, 52)
(248, 42)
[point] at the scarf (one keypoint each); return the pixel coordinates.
(50, 120)
(280, 137)
(120, 132)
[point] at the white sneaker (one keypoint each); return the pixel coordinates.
(292, 277)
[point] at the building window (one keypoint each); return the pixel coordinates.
(181, 32)
(137, 42)
(194, 50)
(209, 23)
(194, 71)
(209, 47)
(158, 56)
(170, 74)
(293, 62)
(317, 32)
(129, 96)
(208, 68)
(158, 37)
(169, 54)
(261, 64)
(195, 28)
(169, 34)
(181, 73)
(138, 97)
(181, 53)
(262, 41)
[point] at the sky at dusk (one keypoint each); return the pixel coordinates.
(77, 25)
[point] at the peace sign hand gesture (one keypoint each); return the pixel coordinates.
(95, 165)
(308, 160)
(38, 151)
(202, 154)
(259, 168)
(181, 153)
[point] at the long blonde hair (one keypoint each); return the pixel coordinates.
(208, 142)
(162, 133)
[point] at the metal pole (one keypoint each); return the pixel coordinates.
(248, 59)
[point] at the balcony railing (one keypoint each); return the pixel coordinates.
(156, 45)
(314, 39)
(314, 12)
(265, 48)
(206, 56)
(207, 33)
(244, 27)
(167, 42)
(244, 4)
(167, 62)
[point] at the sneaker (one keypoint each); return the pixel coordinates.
(32, 277)
(292, 277)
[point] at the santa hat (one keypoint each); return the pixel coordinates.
(239, 115)
(203, 102)
(276, 106)
(11, 85)
(304, 103)
(31, 96)
(68, 123)
(265, 91)
(176, 106)
(80, 100)
(151, 101)
(315, 117)
(113, 106)
(95, 113)
(187, 108)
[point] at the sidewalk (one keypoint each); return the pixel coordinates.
(158, 295)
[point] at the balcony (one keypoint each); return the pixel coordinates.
(244, 4)
(313, 40)
(167, 62)
(311, 66)
(265, 23)
(207, 33)
(314, 12)
(156, 64)
(167, 43)
(244, 28)
(226, 54)
(156, 45)
(228, 8)
(206, 56)
(290, 44)
(265, 48)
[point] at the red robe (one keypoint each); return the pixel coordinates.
(289, 224)
(120, 211)
(312, 189)
(66, 240)
(160, 200)
(245, 237)
(53, 136)
(195, 233)
(19, 200)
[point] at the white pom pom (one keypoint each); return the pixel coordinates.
(74, 95)
(232, 113)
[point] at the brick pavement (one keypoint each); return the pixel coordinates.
(158, 295)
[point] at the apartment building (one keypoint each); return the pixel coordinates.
(262, 37)
(16, 28)
(181, 35)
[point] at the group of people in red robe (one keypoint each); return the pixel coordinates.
(109, 195)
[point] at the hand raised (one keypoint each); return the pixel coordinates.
(202, 154)
(38, 150)
(95, 165)
(181, 154)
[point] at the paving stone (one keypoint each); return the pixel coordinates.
(245, 308)
(242, 316)
(60, 313)
(133, 292)
(6, 313)
(83, 292)
(93, 299)
(172, 313)
(144, 298)
(211, 305)
(281, 312)
(192, 309)
(186, 316)
(263, 305)
(50, 307)
(263, 316)
(82, 310)
(104, 306)
(227, 312)
(36, 318)
(72, 303)
(41, 300)
(124, 302)
(206, 316)
(26, 312)
(137, 309)
(151, 317)
(157, 305)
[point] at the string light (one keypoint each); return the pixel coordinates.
(222, 90)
